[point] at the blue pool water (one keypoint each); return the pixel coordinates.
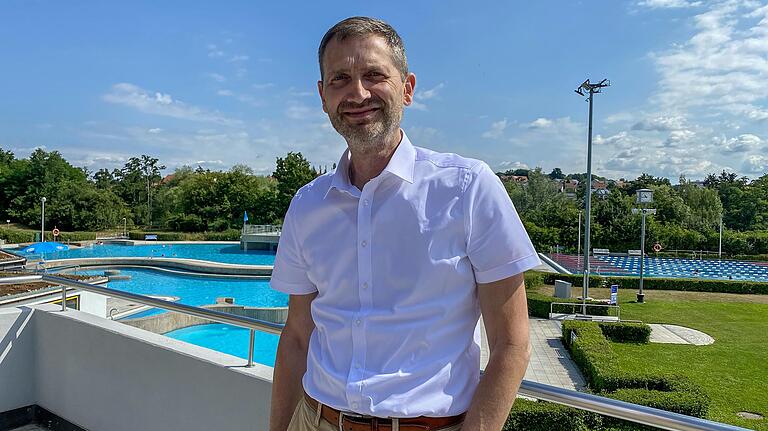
(225, 253)
(196, 290)
(231, 340)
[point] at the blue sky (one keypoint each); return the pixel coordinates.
(220, 83)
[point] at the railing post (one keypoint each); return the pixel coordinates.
(251, 337)
(63, 298)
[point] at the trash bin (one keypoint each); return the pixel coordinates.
(562, 289)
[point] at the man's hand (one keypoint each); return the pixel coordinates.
(291, 361)
(505, 313)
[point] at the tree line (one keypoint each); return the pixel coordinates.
(188, 200)
(687, 218)
(200, 200)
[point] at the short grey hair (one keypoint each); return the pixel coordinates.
(361, 26)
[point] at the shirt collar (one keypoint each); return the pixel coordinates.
(401, 165)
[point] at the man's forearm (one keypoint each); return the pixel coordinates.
(498, 388)
(290, 365)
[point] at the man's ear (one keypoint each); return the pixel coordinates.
(409, 88)
(320, 91)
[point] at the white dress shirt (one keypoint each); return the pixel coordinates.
(396, 268)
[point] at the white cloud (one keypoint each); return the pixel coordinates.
(540, 123)
(510, 166)
(224, 92)
(741, 144)
(216, 77)
(723, 66)
(678, 137)
(431, 93)
(155, 130)
(661, 123)
(238, 58)
(162, 104)
(668, 4)
(301, 111)
(262, 86)
(756, 164)
(214, 51)
(497, 130)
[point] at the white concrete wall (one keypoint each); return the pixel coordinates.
(17, 368)
(93, 303)
(103, 375)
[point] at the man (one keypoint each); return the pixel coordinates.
(388, 262)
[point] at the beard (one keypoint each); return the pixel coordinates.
(368, 137)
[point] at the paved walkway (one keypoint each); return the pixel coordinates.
(550, 362)
(674, 334)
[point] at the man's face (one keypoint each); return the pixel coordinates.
(362, 90)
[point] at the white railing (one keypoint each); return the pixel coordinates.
(584, 401)
(261, 228)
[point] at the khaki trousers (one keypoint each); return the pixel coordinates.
(305, 418)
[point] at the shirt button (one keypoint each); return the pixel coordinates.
(357, 366)
(354, 405)
(365, 285)
(365, 202)
(364, 243)
(357, 322)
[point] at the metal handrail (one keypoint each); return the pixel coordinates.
(213, 315)
(250, 229)
(580, 400)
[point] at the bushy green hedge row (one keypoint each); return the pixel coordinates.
(626, 332)
(539, 305)
(683, 284)
(227, 235)
(592, 352)
(16, 236)
(544, 416)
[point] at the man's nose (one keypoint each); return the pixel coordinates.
(358, 92)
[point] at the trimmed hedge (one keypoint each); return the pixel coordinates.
(626, 332)
(16, 236)
(682, 284)
(544, 416)
(227, 235)
(592, 352)
(539, 305)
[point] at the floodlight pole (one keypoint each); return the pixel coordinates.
(592, 89)
(42, 221)
(720, 245)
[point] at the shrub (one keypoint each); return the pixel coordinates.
(543, 416)
(626, 332)
(15, 236)
(592, 352)
(539, 305)
(654, 283)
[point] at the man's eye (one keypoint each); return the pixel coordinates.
(338, 78)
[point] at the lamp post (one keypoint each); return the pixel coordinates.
(42, 221)
(125, 226)
(644, 196)
(578, 242)
(720, 244)
(586, 86)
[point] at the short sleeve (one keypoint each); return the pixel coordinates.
(497, 244)
(289, 274)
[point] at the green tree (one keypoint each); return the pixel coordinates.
(291, 173)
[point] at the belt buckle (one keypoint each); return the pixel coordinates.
(351, 415)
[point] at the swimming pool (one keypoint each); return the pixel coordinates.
(230, 340)
(668, 267)
(195, 290)
(224, 253)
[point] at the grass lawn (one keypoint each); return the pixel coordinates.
(733, 370)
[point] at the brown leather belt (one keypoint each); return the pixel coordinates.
(353, 422)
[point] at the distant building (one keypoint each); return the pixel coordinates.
(520, 179)
(569, 187)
